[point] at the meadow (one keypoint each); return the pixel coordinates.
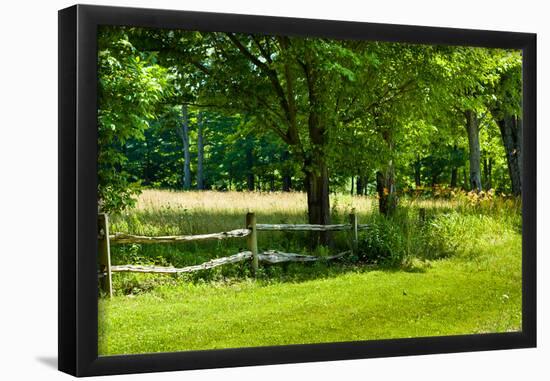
(454, 268)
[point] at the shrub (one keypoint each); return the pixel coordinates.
(384, 242)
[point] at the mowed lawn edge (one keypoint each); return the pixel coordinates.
(452, 296)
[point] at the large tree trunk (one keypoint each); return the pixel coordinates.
(385, 181)
(184, 134)
(511, 132)
(385, 186)
(472, 128)
(315, 167)
(316, 184)
(200, 153)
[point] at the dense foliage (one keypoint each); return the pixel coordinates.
(223, 111)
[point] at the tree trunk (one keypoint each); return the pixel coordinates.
(316, 184)
(417, 168)
(315, 167)
(490, 174)
(352, 183)
(385, 186)
(434, 181)
(472, 128)
(511, 132)
(184, 134)
(287, 182)
(487, 169)
(385, 181)
(454, 177)
(359, 185)
(287, 174)
(250, 168)
(200, 153)
(272, 182)
(148, 165)
(464, 179)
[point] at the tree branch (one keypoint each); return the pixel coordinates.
(201, 67)
(265, 54)
(247, 53)
(271, 74)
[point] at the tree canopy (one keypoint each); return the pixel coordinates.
(226, 111)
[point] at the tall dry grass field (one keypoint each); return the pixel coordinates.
(267, 202)
(293, 203)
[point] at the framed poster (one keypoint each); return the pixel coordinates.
(242, 190)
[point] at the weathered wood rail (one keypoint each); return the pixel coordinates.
(270, 256)
(308, 227)
(173, 270)
(250, 231)
(120, 238)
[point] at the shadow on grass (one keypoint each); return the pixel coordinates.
(134, 283)
(407, 268)
(304, 272)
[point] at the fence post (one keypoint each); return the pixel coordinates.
(104, 259)
(252, 240)
(354, 230)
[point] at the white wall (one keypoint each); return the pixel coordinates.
(28, 160)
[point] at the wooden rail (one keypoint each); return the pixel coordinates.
(303, 227)
(270, 256)
(273, 256)
(172, 270)
(250, 231)
(308, 227)
(119, 238)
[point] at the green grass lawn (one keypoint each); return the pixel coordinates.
(476, 291)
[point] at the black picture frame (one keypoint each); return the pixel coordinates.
(77, 278)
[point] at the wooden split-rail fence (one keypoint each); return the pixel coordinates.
(250, 232)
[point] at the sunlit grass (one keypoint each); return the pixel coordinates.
(445, 297)
(457, 271)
